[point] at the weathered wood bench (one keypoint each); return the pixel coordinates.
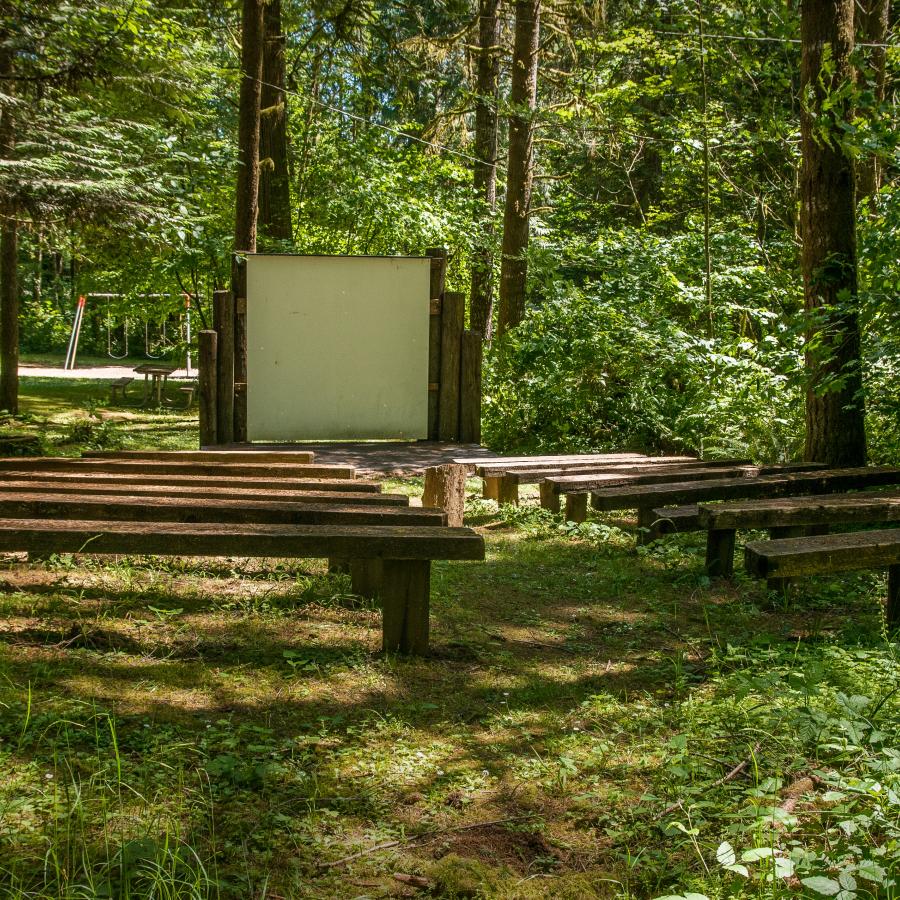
(119, 386)
(650, 500)
(794, 557)
(173, 467)
(214, 456)
(787, 517)
(405, 553)
(197, 482)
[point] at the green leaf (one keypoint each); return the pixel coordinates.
(828, 887)
(725, 855)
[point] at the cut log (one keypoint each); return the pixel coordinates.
(445, 488)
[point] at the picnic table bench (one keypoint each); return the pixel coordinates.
(405, 553)
(120, 385)
(159, 374)
(793, 557)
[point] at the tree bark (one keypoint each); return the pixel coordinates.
(523, 98)
(835, 415)
(9, 256)
(873, 29)
(247, 196)
(485, 170)
(274, 180)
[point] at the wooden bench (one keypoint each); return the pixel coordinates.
(188, 390)
(793, 557)
(142, 465)
(206, 456)
(405, 553)
(787, 517)
(650, 500)
(117, 386)
(196, 482)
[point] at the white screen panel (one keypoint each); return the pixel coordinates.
(337, 347)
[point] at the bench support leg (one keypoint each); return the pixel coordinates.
(549, 497)
(338, 565)
(781, 585)
(647, 528)
(405, 592)
(365, 577)
(507, 491)
(893, 597)
(576, 507)
(720, 552)
(490, 488)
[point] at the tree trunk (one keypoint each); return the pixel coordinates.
(247, 197)
(523, 98)
(485, 170)
(873, 29)
(274, 181)
(835, 416)
(9, 257)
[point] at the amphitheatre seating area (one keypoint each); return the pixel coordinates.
(796, 503)
(254, 504)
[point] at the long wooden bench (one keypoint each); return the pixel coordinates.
(193, 481)
(311, 494)
(166, 467)
(650, 500)
(216, 456)
(787, 517)
(405, 551)
(794, 557)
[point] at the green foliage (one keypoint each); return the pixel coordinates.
(587, 371)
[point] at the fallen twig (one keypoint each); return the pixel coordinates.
(387, 845)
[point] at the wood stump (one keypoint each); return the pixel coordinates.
(445, 488)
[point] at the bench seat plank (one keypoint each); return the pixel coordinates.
(193, 481)
(398, 542)
(562, 468)
(680, 493)
(166, 467)
(216, 456)
(824, 554)
(845, 509)
(39, 505)
(135, 492)
(554, 458)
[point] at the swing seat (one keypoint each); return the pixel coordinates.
(120, 384)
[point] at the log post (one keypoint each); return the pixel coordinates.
(223, 319)
(207, 389)
(576, 507)
(507, 490)
(781, 585)
(405, 594)
(240, 364)
(549, 497)
(365, 577)
(445, 488)
(438, 276)
(647, 526)
(470, 388)
(720, 552)
(453, 311)
(490, 489)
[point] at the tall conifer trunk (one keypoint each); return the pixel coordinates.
(873, 29)
(274, 181)
(485, 170)
(835, 417)
(523, 98)
(9, 256)
(247, 194)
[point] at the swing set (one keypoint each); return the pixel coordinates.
(152, 350)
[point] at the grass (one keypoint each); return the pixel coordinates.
(594, 721)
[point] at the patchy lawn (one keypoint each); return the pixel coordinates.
(593, 721)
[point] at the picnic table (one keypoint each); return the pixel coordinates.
(159, 373)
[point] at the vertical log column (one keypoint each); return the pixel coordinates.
(207, 389)
(470, 388)
(438, 276)
(223, 319)
(453, 314)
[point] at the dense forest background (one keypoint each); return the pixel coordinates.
(664, 298)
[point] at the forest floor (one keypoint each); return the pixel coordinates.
(594, 720)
